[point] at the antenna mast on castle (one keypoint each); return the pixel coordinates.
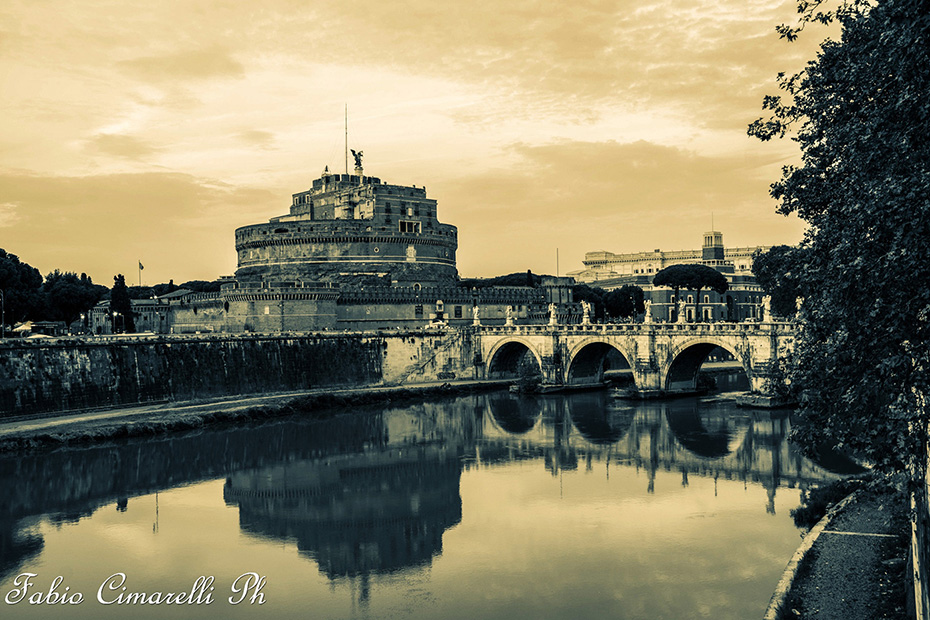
(347, 138)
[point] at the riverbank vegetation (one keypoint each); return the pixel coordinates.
(859, 113)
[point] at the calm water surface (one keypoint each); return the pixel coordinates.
(488, 506)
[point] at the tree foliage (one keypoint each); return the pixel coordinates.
(693, 277)
(593, 295)
(121, 303)
(20, 283)
(860, 112)
(626, 301)
(777, 271)
(67, 296)
(520, 278)
(201, 286)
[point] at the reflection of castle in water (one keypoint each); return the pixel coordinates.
(358, 514)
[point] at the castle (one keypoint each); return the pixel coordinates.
(353, 253)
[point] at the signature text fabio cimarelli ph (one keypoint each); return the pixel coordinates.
(246, 588)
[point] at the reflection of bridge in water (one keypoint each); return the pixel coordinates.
(706, 438)
(371, 493)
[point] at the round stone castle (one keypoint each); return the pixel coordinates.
(354, 253)
(354, 231)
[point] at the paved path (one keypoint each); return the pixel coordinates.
(855, 569)
(60, 422)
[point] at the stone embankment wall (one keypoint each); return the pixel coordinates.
(72, 374)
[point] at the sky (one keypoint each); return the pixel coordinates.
(149, 131)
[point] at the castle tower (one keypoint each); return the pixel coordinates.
(353, 230)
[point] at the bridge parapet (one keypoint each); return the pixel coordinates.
(623, 328)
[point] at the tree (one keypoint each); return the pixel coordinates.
(67, 296)
(202, 286)
(776, 272)
(859, 112)
(19, 283)
(592, 294)
(694, 277)
(120, 302)
(141, 292)
(626, 301)
(163, 289)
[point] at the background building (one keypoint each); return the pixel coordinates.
(742, 301)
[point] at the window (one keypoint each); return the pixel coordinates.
(418, 311)
(690, 299)
(458, 312)
(409, 227)
(706, 299)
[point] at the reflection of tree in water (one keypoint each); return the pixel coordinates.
(16, 548)
(836, 461)
(597, 422)
(515, 415)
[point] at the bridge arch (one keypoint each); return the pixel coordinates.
(684, 362)
(587, 360)
(511, 357)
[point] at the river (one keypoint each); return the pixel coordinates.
(492, 506)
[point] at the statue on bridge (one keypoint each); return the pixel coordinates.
(474, 316)
(585, 313)
(553, 315)
(682, 311)
(647, 317)
(508, 315)
(766, 308)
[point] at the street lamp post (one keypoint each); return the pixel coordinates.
(2, 315)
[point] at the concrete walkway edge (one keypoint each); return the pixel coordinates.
(777, 603)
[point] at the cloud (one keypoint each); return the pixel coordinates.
(257, 138)
(180, 225)
(120, 145)
(185, 65)
(8, 214)
(620, 197)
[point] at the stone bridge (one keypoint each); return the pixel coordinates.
(664, 357)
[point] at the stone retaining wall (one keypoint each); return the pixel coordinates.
(70, 374)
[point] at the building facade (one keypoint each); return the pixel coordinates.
(742, 301)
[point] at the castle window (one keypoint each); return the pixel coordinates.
(409, 227)
(458, 312)
(418, 311)
(706, 299)
(690, 299)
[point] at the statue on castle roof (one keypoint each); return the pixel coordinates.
(358, 157)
